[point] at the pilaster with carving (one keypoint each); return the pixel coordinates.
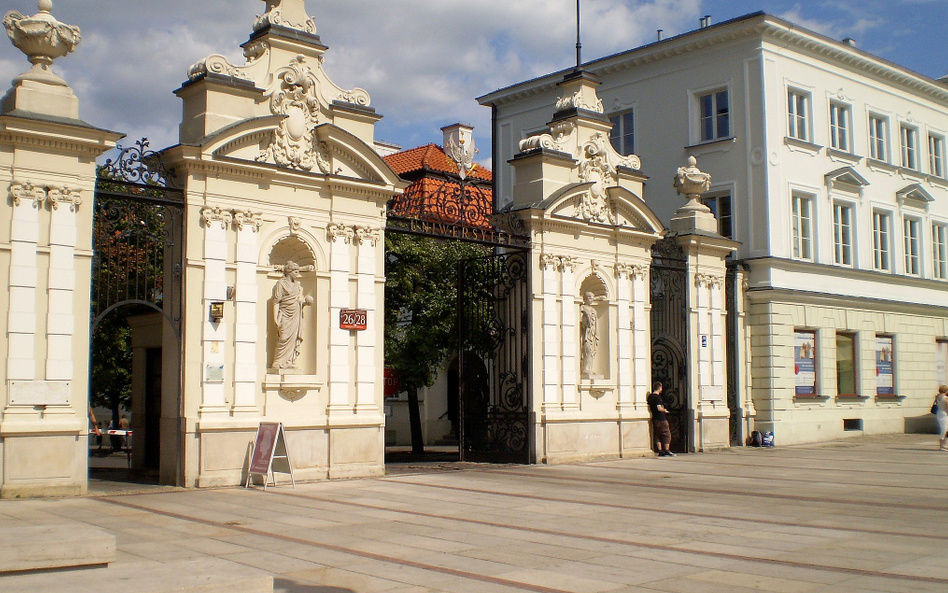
(550, 265)
(247, 368)
(27, 199)
(216, 220)
(368, 270)
(61, 323)
(340, 237)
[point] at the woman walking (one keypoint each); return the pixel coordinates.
(941, 415)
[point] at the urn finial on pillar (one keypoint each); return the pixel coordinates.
(43, 39)
(691, 182)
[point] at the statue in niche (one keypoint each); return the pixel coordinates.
(589, 330)
(288, 303)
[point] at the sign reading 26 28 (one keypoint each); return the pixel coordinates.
(352, 319)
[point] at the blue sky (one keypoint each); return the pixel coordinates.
(423, 61)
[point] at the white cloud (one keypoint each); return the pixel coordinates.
(422, 62)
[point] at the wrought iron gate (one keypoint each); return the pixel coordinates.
(137, 236)
(669, 299)
(493, 321)
(138, 253)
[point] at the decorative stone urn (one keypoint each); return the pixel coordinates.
(43, 39)
(692, 182)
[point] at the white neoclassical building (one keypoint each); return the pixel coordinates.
(829, 168)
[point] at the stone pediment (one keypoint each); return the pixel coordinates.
(616, 207)
(914, 193)
(846, 177)
(336, 151)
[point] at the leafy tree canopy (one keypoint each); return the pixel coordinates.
(421, 303)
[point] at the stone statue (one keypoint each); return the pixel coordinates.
(288, 303)
(589, 330)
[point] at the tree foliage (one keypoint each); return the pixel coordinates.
(421, 301)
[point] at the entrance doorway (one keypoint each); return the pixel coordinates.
(137, 293)
(484, 293)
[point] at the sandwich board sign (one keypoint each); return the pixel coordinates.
(269, 455)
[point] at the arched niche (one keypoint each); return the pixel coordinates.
(594, 329)
(292, 248)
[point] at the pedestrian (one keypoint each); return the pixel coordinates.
(941, 415)
(663, 435)
(123, 425)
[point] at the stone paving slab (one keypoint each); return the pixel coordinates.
(866, 514)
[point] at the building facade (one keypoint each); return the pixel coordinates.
(829, 169)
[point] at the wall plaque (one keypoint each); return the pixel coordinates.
(352, 319)
(40, 393)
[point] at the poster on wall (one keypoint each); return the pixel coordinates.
(804, 350)
(884, 364)
(941, 361)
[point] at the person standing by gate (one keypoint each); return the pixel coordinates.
(656, 406)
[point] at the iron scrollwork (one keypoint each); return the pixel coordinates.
(494, 301)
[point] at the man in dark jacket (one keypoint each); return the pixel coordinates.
(663, 435)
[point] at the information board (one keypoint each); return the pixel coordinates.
(269, 445)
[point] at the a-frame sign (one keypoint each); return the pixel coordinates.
(269, 447)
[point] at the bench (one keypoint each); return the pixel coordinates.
(208, 575)
(52, 547)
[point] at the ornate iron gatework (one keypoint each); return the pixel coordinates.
(137, 236)
(735, 425)
(442, 204)
(669, 317)
(493, 320)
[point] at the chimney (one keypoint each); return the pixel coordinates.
(850, 42)
(459, 146)
(660, 34)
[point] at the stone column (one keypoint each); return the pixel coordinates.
(641, 334)
(21, 325)
(247, 368)
(214, 369)
(552, 356)
(340, 237)
(366, 340)
(625, 372)
(568, 332)
(60, 325)
(695, 230)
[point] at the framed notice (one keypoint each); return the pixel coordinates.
(885, 356)
(269, 455)
(804, 362)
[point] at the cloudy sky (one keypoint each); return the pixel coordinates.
(422, 61)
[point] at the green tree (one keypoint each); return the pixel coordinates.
(421, 301)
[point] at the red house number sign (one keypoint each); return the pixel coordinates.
(352, 319)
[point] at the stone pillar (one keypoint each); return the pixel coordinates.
(568, 333)
(21, 325)
(340, 237)
(695, 229)
(625, 375)
(641, 334)
(247, 367)
(60, 322)
(550, 266)
(216, 221)
(367, 369)
(45, 246)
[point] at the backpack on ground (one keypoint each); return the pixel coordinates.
(756, 439)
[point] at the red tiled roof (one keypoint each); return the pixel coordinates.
(440, 200)
(430, 157)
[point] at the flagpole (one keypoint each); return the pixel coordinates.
(579, 45)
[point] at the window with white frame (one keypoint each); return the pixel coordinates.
(714, 115)
(802, 215)
(798, 115)
(912, 239)
(877, 138)
(909, 141)
(843, 233)
(936, 155)
(940, 250)
(881, 231)
(622, 135)
(839, 126)
(720, 205)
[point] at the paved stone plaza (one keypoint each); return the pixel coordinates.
(867, 514)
